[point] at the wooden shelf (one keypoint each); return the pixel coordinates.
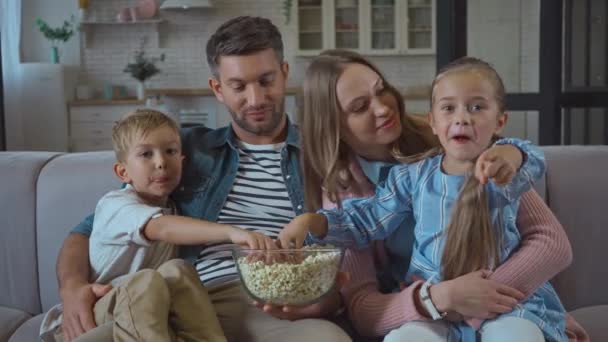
(179, 92)
(88, 28)
(137, 22)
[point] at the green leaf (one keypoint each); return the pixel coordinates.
(143, 67)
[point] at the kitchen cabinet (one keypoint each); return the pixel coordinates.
(91, 122)
(371, 27)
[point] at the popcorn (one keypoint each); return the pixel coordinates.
(291, 281)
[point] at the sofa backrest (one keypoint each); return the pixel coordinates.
(18, 274)
(577, 192)
(49, 193)
(68, 190)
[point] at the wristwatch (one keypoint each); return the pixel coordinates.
(425, 298)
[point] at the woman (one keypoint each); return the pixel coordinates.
(354, 127)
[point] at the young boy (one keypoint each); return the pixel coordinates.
(133, 239)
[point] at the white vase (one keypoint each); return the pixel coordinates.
(141, 90)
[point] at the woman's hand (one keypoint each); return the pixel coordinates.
(328, 305)
(474, 296)
(295, 231)
(499, 163)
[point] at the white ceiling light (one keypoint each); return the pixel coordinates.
(185, 4)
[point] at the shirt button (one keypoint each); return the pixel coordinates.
(300, 207)
(288, 176)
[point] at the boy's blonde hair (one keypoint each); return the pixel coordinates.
(135, 124)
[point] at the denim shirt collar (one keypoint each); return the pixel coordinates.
(375, 171)
(226, 135)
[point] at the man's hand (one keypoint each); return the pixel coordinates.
(253, 240)
(499, 163)
(78, 303)
(328, 305)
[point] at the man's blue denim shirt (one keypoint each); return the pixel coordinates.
(210, 168)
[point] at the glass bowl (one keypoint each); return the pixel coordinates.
(288, 276)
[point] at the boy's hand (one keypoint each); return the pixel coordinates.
(251, 239)
(499, 163)
(296, 230)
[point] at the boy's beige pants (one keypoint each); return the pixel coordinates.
(241, 322)
(166, 304)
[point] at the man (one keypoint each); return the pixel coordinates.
(247, 174)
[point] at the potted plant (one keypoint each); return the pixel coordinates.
(143, 67)
(56, 35)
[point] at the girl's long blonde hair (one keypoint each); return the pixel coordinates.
(471, 242)
(325, 157)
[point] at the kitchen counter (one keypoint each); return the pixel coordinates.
(179, 92)
(409, 93)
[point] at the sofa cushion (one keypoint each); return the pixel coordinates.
(68, 190)
(593, 319)
(18, 272)
(577, 192)
(28, 331)
(10, 320)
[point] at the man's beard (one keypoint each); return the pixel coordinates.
(263, 129)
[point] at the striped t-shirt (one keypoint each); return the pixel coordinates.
(258, 201)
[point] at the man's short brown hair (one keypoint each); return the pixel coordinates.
(243, 36)
(135, 124)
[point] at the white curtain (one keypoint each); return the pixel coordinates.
(10, 28)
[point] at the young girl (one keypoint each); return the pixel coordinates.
(466, 114)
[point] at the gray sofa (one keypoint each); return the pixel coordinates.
(45, 194)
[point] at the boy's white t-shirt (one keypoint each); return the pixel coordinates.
(117, 246)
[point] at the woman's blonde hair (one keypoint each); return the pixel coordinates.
(325, 157)
(471, 241)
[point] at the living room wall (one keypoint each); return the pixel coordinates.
(504, 32)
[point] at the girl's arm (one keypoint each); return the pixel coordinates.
(362, 220)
